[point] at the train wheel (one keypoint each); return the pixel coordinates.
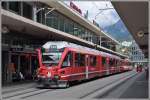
(67, 84)
(64, 85)
(46, 86)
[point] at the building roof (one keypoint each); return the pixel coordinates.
(74, 15)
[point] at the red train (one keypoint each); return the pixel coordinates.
(62, 62)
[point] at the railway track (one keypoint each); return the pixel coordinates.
(23, 93)
(16, 88)
(84, 90)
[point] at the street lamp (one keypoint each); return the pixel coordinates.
(41, 9)
(5, 29)
(35, 11)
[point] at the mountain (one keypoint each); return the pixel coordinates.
(118, 31)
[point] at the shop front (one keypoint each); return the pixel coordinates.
(18, 66)
(19, 59)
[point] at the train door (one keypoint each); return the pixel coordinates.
(93, 64)
(111, 65)
(121, 65)
(117, 66)
(119, 61)
(107, 66)
(67, 65)
(79, 66)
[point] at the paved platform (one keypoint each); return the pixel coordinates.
(136, 87)
(17, 86)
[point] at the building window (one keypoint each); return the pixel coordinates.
(5, 40)
(76, 30)
(79, 30)
(71, 28)
(55, 19)
(49, 21)
(14, 6)
(66, 26)
(4, 5)
(61, 23)
(41, 17)
(27, 10)
(93, 61)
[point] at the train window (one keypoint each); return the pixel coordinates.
(52, 58)
(117, 63)
(4, 5)
(121, 63)
(103, 60)
(68, 60)
(111, 62)
(92, 60)
(79, 59)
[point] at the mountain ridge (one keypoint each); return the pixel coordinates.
(118, 31)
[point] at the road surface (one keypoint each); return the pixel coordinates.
(96, 88)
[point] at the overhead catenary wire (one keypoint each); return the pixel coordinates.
(101, 11)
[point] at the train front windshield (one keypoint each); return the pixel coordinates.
(51, 59)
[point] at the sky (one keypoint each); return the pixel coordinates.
(105, 18)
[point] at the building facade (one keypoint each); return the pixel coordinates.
(136, 54)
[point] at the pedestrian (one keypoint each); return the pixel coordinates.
(21, 76)
(147, 72)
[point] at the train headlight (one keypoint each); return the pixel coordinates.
(48, 74)
(41, 76)
(38, 76)
(56, 76)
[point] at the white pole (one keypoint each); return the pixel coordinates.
(0, 58)
(86, 70)
(35, 13)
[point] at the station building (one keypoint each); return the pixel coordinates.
(28, 25)
(135, 17)
(136, 55)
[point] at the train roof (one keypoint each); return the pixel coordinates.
(63, 44)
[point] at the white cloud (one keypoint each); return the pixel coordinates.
(126, 43)
(105, 18)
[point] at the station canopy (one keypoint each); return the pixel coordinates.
(23, 25)
(135, 17)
